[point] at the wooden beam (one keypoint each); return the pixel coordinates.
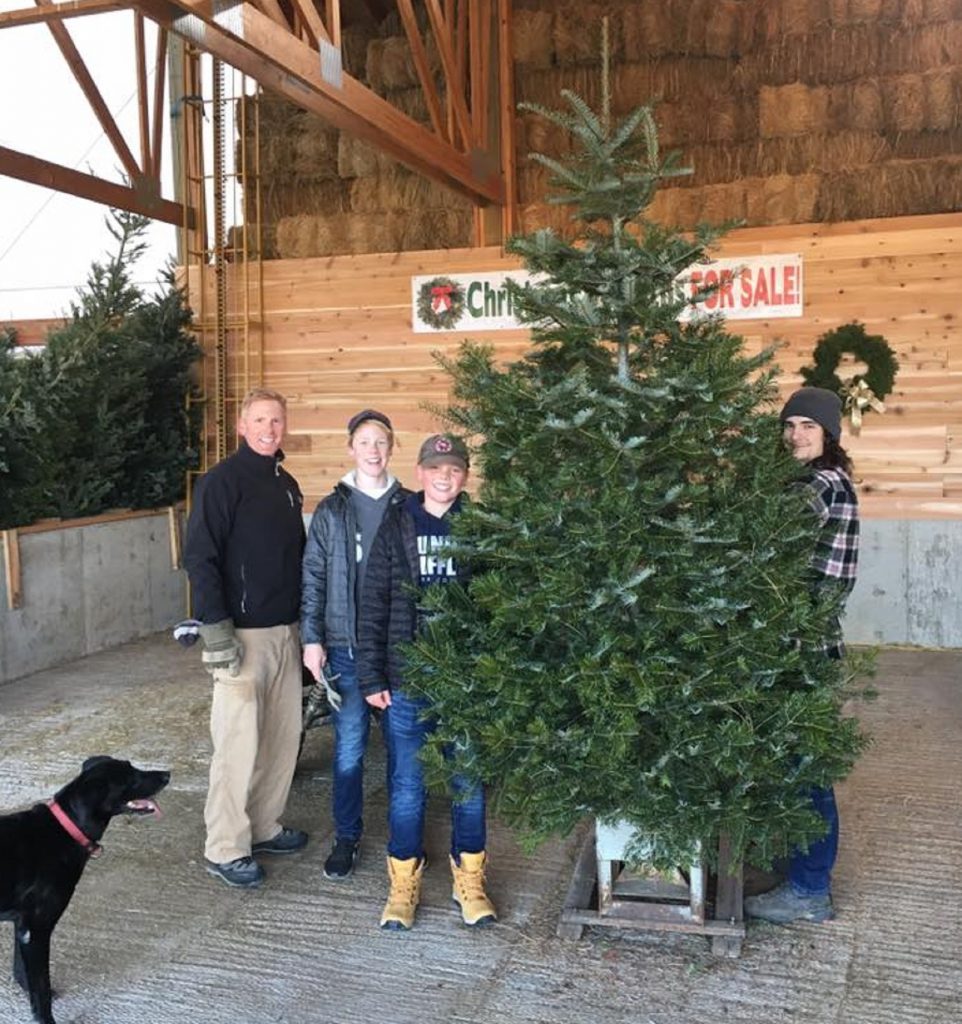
(143, 115)
(334, 21)
(33, 331)
(272, 9)
(121, 515)
(141, 198)
(160, 75)
(462, 44)
(191, 121)
(477, 72)
(487, 226)
(488, 28)
(422, 66)
(449, 18)
(58, 12)
(312, 20)
(449, 63)
(506, 122)
(90, 90)
(263, 51)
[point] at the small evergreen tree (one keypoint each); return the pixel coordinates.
(18, 457)
(640, 638)
(98, 417)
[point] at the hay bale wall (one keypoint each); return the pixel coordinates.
(788, 110)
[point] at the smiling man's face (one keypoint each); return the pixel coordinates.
(262, 426)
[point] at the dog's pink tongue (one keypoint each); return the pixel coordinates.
(145, 807)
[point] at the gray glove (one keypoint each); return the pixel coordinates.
(329, 680)
(222, 649)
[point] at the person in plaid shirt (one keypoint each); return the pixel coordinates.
(812, 428)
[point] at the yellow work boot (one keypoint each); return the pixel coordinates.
(468, 893)
(402, 900)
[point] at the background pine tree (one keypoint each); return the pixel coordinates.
(97, 419)
(639, 638)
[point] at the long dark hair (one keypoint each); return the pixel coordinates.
(833, 456)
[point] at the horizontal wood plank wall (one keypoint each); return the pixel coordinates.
(338, 338)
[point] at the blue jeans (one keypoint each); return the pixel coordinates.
(810, 871)
(405, 732)
(352, 725)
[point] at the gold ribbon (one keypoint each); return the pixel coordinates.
(859, 397)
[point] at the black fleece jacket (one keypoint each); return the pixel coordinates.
(244, 542)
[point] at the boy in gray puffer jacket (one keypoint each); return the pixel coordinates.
(341, 534)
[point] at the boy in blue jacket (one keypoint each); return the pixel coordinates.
(409, 555)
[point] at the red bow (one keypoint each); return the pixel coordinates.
(442, 297)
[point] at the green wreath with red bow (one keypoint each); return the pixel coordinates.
(441, 303)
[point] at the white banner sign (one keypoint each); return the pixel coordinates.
(750, 288)
(465, 302)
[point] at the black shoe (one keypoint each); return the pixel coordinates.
(242, 873)
(288, 840)
(340, 864)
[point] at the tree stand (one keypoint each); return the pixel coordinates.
(604, 894)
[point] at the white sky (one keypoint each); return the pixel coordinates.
(48, 239)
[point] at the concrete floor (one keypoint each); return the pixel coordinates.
(150, 937)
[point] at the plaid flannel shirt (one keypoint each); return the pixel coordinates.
(835, 562)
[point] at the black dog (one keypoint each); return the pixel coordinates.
(44, 850)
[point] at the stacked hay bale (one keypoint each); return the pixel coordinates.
(298, 166)
(324, 192)
(788, 110)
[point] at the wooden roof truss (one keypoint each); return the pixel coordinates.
(293, 48)
(142, 192)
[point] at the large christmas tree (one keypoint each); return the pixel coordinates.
(640, 638)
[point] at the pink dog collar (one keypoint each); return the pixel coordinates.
(94, 849)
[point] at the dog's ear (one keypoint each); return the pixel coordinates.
(97, 759)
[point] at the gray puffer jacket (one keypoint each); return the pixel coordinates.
(329, 570)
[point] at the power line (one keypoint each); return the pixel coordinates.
(53, 195)
(63, 287)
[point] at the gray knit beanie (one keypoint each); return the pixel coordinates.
(818, 404)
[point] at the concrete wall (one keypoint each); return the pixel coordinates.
(86, 588)
(90, 587)
(909, 588)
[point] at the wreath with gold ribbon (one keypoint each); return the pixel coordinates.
(862, 392)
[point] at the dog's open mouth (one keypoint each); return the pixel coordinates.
(142, 807)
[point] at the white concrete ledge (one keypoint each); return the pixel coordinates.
(909, 588)
(88, 587)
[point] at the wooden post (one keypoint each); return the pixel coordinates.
(11, 561)
(728, 899)
(173, 529)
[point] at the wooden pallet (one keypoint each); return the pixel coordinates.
(598, 899)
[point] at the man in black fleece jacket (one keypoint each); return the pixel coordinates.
(245, 538)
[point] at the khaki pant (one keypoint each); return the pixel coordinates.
(255, 725)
